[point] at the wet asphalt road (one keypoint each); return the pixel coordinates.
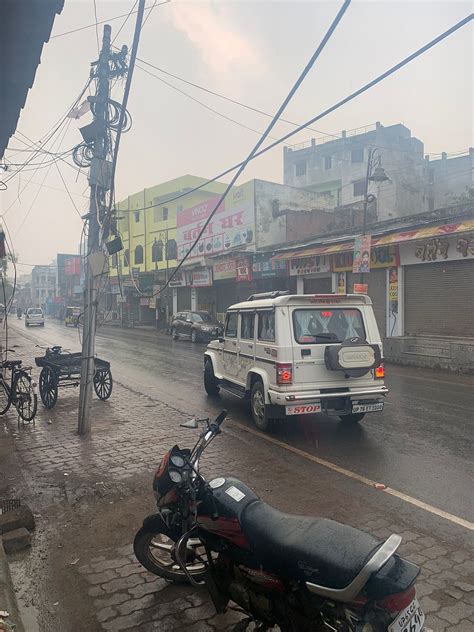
(421, 444)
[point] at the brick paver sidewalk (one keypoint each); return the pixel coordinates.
(90, 496)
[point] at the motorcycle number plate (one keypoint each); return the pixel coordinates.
(409, 620)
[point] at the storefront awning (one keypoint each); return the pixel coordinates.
(441, 230)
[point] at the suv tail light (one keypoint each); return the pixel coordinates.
(379, 371)
(398, 601)
(284, 373)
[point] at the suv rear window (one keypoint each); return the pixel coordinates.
(35, 312)
(323, 325)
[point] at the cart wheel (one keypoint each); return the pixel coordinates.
(48, 387)
(103, 383)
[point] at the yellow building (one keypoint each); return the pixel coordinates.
(147, 225)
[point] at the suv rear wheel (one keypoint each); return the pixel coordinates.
(258, 407)
(352, 418)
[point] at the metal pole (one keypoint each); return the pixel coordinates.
(93, 242)
(366, 195)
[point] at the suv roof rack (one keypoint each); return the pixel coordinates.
(274, 294)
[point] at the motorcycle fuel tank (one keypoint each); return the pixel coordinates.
(231, 497)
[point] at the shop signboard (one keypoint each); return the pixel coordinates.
(309, 265)
(384, 257)
(438, 249)
(178, 280)
(224, 270)
(200, 278)
(232, 226)
(361, 260)
(144, 301)
(269, 268)
(361, 288)
(72, 266)
(243, 270)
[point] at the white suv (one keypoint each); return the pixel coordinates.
(34, 316)
(300, 354)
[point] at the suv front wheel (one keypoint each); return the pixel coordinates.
(258, 407)
(211, 385)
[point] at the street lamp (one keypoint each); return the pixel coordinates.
(376, 174)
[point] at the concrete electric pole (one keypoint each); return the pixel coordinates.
(101, 152)
(97, 191)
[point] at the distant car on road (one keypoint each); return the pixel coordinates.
(195, 325)
(34, 316)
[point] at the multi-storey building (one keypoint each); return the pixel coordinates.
(336, 168)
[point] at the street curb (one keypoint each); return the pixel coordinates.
(8, 600)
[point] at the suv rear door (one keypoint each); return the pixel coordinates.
(313, 328)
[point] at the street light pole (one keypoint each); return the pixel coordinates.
(378, 176)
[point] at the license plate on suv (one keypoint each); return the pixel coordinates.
(409, 620)
(303, 409)
(367, 408)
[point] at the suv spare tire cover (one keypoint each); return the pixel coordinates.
(355, 357)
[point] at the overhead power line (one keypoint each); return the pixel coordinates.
(336, 106)
(204, 105)
(224, 97)
(270, 126)
(117, 17)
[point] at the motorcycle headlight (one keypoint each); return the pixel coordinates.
(175, 476)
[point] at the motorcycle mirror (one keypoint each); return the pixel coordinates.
(192, 423)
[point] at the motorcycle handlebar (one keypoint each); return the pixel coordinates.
(220, 418)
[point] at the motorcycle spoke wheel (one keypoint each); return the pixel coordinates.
(156, 552)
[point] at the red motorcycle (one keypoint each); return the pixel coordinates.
(299, 573)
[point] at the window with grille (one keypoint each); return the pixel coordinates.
(328, 162)
(357, 155)
(138, 255)
(300, 169)
(359, 188)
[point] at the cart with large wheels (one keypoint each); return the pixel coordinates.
(61, 369)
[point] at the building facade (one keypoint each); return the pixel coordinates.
(450, 179)
(336, 169)
(43, 287)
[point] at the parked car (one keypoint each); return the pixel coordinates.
(34, 316)
(300, 354)
(195, 325)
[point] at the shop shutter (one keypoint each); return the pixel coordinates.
(377, 282)
(321, 285)
(184, 298)
(439, 298)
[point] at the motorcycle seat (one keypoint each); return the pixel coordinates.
(311, 549)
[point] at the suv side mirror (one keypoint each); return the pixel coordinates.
(221, 339)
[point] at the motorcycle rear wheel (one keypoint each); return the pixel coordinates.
(154, 551)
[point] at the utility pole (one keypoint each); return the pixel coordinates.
(97, 192)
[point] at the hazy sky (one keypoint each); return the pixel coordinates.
(251, 51)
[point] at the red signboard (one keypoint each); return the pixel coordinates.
(72, 266)
(243, 270)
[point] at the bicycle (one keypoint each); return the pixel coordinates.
(19, 389)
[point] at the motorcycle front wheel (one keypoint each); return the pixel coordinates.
(155, 551)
